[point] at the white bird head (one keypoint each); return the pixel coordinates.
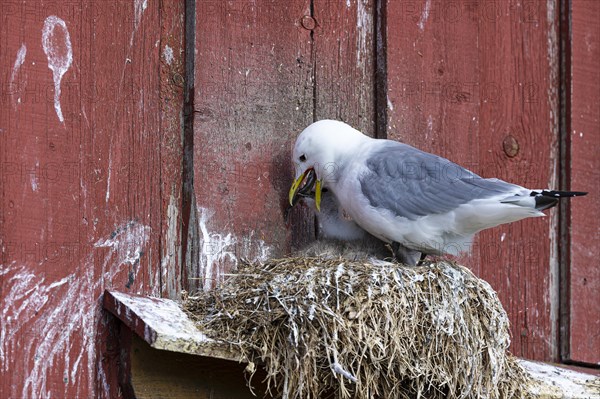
(320, 153)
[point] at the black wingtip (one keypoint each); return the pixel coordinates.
(543, 202)
(549, 198)
(560, 194)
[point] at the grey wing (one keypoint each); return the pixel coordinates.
(412, 183)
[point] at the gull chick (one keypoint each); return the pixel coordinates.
(404, 196)
(339, 235)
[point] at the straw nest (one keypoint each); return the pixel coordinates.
(362, 329)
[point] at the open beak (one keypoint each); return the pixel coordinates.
(302, 187)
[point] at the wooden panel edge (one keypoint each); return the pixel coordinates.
(163, 324)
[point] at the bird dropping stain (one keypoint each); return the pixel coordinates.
(56, 43)
(15, 71)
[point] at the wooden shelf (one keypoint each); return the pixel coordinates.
(163, 325)
(164, 366)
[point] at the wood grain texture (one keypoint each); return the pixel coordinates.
(344, 62)
(172, 82)
(584, 280)
(467, 80)
(82, 199)
(163, 374)
(164, 325)
(263, 73)
(253, 94)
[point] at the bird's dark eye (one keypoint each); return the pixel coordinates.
(302, 158)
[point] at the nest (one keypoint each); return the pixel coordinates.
(345, 329)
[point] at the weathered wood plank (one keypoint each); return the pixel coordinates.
(344, 62)
(255, 90)
(172, 81)
(163, 325)
(162, 374)
(557, 382)
(476, 82)
(253, 93)
(584, 160)
(81, 193)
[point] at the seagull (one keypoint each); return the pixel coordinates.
(404, 196)
(339, 234)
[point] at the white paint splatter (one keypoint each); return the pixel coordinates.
(171, 256)
(107, 197)
(59, 53)
(127, 242)
(364, 26)
(138, 8)
(218, 249)
(256, 247)
(57, 312)
(424, 15)
(168, 54)
(390, 105)
(18, 63)
(429, 126)
(34, 183)
(29, 295)
(264, 251)
(348, 4)
(215, 248)
(502, 237)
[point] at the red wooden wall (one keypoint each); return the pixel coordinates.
(581, 321)
(263, 72)
(477, 82)
(91, 200)
(105, 196)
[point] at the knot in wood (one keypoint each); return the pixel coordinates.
(510, 146)
(308, 22)
(177, 79)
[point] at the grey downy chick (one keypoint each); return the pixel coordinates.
(339, 235)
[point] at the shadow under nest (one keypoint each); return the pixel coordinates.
(364, 329)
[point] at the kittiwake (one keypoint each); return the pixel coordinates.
(405, 196)
(339, 235)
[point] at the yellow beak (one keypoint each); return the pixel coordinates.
(296, 186)
(318, 195)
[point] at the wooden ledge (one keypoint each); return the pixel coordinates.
(551, 381)
(163, 325)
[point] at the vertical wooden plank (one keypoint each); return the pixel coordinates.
(253, 93)
(40, 190)
(527, 117)
(81, 193)
(172, 81)
(433, 96)
(472, 81)
(584, 139)
(125, 139)
(344, 62)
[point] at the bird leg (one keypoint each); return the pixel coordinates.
(405, 255)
